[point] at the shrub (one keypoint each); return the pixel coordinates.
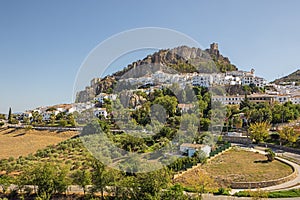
(28, 127)
(285, 194)
(270, 155)
(10, 159)
(222, 191)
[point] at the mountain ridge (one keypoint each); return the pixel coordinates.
(288, 79)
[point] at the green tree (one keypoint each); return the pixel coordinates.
(169, 103)
(100, 178)
(270, 154)
(61, 180)
(2, 116)
(63, 122)
(246, 103)
(71, 120)
(82, 178)
(43, 178)
(49, 179)
(26, 120)
(237, 121)
(176, 192)
(39, 118)
(5, 182)
(289, 134)
(52, 119)
(259, 131)
(151, 183)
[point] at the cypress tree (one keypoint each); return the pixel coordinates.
(9, 116)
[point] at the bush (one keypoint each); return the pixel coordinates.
(10, 159)
(285, 194)
(242, 194)
(270, 155)
(28, 128)
(222, 191)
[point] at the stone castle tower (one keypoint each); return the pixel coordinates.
(214, 49)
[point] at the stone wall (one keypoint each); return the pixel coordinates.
(236, 139)
(262, 184)
(292, 150)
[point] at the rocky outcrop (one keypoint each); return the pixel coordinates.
(136, 100)
(185, 59)
(85, 95)
(181, 59)
(104, 85)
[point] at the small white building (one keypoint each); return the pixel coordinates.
(190, 149)
(100, 97)
(26, 114)
(100, 112)
(46, 116)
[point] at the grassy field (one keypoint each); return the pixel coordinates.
(15, 143)
(240, 165)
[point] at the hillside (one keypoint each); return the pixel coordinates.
(293, 77)
(181, 59)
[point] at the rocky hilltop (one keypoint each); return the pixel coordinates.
(293, 77)
(185, 59)
(181, 59)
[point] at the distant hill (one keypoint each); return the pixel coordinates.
(181, 59)
(293, 77)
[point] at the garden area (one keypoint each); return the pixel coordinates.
(237, 165)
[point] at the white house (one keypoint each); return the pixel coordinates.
(282, 98)
(251, 79)
(100, 112)
(100, 97)
(46, 116)
(72, 109)
(204, 80)
(26, 114)
(295, 99)
(229, 100)
(190, 148)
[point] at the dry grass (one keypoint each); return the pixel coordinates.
(15, 143)
(197, 178)
(240, 165)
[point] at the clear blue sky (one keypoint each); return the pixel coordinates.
(43, 43)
